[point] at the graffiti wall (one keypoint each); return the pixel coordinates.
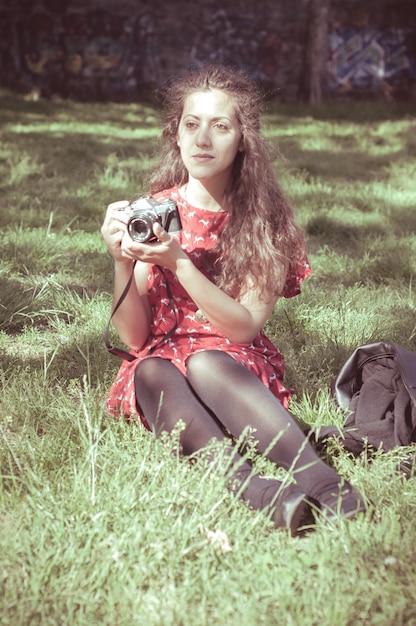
(122, 50)
(86, 51)
(369, 56)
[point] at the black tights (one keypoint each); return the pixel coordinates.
(221, 395)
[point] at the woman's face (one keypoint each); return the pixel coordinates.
(209, 135)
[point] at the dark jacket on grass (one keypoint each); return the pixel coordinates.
(377, 385)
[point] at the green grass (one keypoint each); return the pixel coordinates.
(100, 523)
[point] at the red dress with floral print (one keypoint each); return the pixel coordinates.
(200, 231)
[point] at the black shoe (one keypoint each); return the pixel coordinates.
(340, 500)
(290, 509)
(285, 505)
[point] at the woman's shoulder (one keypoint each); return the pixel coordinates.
(171, 193)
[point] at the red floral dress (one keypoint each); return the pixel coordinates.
(200, 231)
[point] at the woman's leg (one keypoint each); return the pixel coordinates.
(165, 398)
(239, 399)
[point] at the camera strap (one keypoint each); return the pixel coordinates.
(123, 354)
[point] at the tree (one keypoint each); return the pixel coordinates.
(316, 51)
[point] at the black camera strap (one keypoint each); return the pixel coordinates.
(123, 354)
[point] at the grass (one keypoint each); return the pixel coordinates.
(100, 523)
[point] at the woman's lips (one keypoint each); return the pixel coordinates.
(202, 158)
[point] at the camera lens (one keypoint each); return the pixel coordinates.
(141, 229)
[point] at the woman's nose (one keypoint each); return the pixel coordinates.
(203, 137)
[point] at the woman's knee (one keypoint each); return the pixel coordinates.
(207, 365)
(152, 370)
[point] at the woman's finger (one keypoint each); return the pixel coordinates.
(120, 205)
(162, 235)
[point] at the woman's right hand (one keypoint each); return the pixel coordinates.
(114, 228)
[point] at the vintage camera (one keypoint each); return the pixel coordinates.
(145, 212)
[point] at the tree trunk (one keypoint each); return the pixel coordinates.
(316, 51)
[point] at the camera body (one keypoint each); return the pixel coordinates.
(145, 212)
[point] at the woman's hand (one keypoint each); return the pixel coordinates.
(165, 251)
(114, 229)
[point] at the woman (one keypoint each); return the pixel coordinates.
(194, 313)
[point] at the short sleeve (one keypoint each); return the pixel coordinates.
(297, 274)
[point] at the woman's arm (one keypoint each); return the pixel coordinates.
(133, 317)
(239, 321)
(132, 320)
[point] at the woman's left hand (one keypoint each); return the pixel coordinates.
(165, 251)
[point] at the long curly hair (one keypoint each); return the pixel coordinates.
(261, 242)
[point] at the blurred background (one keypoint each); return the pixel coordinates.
(120, 50)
